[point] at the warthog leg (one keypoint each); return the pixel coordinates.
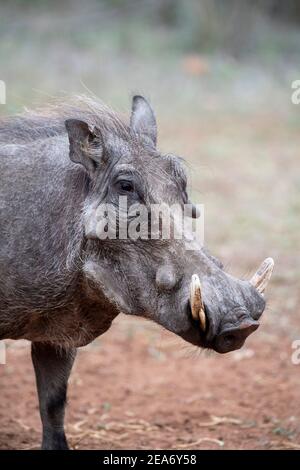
(52, 370)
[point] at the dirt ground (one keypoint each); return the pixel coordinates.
(138, 387)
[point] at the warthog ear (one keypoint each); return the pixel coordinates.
(143, 120)
(86, 145)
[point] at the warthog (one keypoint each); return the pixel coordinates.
(60, 286)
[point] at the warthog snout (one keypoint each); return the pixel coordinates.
(226, 313)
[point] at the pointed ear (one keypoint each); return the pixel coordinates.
(86, 146)
(143, 120)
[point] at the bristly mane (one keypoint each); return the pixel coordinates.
(49, 121)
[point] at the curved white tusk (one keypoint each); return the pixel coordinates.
(262, 276)
(197, 306)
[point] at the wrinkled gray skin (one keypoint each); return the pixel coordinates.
(61, 289)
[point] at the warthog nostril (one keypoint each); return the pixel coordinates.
(228, 339)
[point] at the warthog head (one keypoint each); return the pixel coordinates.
(180, 286)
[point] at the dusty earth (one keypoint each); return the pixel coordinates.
(138, 387)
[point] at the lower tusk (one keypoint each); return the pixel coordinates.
(202, 319)
(197, 306)
(262, 276)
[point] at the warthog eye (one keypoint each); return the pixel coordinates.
(125, 186)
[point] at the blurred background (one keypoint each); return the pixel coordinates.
(219, 76)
